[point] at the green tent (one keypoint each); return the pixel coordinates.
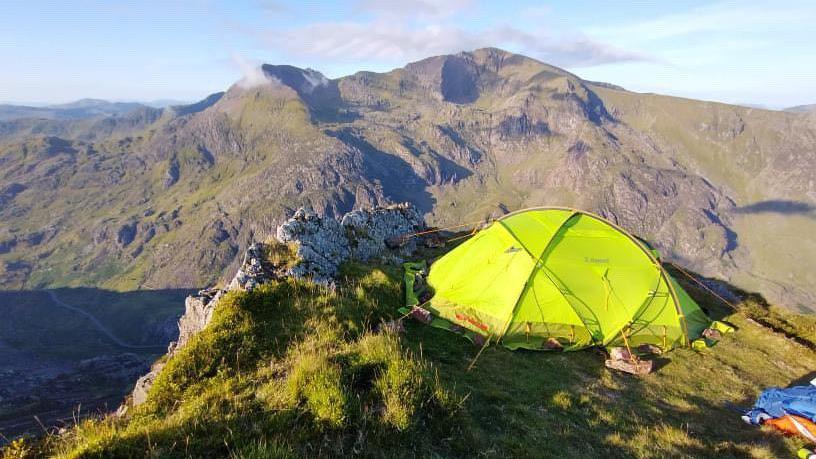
(545, 274)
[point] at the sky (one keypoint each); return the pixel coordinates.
(747, 52)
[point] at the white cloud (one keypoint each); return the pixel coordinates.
(252, 73)
(722, 17)
(422, 8)
(384, 41)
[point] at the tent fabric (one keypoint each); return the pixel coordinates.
(794, 425)
(556, 273)
(411, 269)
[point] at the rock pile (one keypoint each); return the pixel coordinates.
(365, 234)
(254, 270)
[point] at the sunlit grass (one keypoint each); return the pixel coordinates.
(297, 370)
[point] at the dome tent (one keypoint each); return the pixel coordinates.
(546, 274)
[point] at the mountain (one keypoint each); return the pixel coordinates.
(168, 198)
(811, 108)
(83, 108)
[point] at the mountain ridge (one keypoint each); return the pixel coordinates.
(462, 136)
(79, 109)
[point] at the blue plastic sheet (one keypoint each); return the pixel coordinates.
(776, 402)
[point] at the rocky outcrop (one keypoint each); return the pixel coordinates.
(143, 385)
(198, 311)
(126, 234)
(254, 270)
(324, 243)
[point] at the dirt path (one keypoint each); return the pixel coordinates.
(100, 326)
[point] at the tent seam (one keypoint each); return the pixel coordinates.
(536, 265)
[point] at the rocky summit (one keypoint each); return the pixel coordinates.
(157, 198)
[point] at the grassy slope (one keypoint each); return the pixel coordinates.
(294, 369)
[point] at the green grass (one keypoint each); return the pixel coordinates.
(295, 370)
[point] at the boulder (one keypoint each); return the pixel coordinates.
(254, 270)
(322, 245)
(198, 311)
(369, 231)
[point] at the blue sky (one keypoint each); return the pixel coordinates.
(740, 52)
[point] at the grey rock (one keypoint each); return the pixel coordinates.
(144, 383)
(197, 314)
(253, 272)
(171, 176)
(369, 230)
(324, 243)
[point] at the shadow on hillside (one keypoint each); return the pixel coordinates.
(778, 206)
(400, 182)
(135, 320)
(65, 348)
(448, 171)
(714, 307)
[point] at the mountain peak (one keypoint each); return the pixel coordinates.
(304, 81)
(461, 77)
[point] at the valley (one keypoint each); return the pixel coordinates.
(62, 360)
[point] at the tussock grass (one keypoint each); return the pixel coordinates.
(281, 255)
(296, 370)
(291, 368)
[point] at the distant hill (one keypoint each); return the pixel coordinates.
(802, 108)
(162, 103)
(161, 198)
(84, 108)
